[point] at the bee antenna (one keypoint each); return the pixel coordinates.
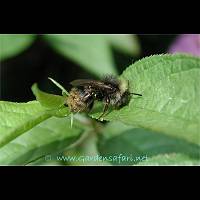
(133, 92)
(136, 94)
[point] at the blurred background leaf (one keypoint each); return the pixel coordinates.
(126, 43)
(12, 45)
(47, 138)
(92, 52)
(118, 138)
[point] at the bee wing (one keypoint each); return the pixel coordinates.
(93, 83)
(81, 82)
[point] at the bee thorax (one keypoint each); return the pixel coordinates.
(115, 98)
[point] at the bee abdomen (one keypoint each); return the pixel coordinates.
(74, 101)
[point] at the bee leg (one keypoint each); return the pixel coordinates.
(105, 108)
(90, 106)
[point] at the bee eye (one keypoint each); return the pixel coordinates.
(94, 94)
(113, 89)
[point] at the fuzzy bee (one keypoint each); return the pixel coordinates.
(111, 91)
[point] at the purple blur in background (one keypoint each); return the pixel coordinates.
(186, 43)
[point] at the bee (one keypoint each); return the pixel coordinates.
(111, 91)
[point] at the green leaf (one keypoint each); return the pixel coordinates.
(47, 100)
(127, 43)
(87, 151)
(44, 140)
(13, 44)
(17, 118)
(170, 101)
(64, 91)
(136, 144)
(170, 159)
(92, 52)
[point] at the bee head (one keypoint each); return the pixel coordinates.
(123, 86)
